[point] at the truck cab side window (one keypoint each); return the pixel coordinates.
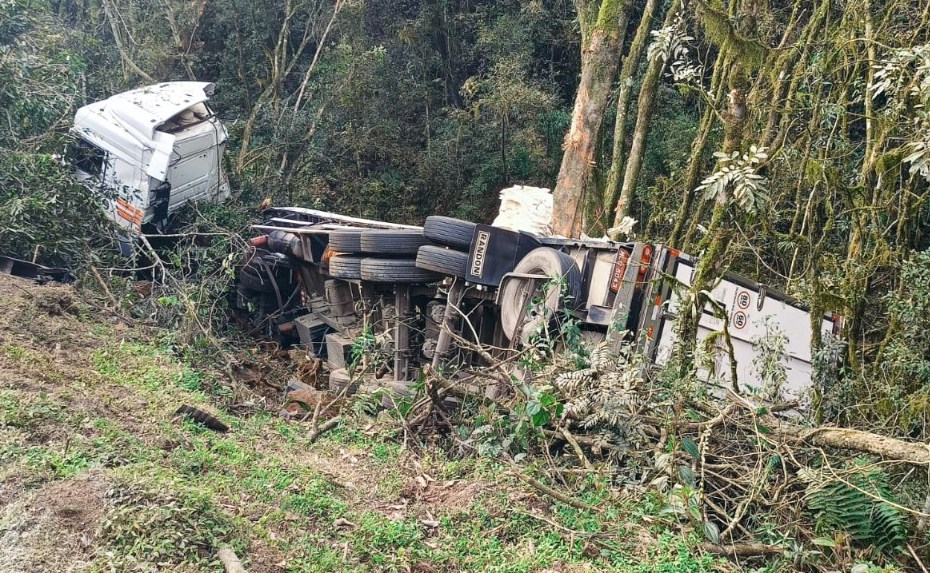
(88, 158)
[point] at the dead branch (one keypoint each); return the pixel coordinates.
(571, 440)
(548, 490)
(325, 427)
(858, 440)
(230, 562)
(743, 549)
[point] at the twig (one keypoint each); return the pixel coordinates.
(103, 285)
(571, 440)
(548, 490)
(916, 558)
(592, 443)
(325, 427)
(743, 549)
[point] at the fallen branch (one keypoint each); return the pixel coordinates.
(571, 440)
(327, 426)
(858, 440)
(549, 491)
(229, 560)
(742, 549)
(916, 453)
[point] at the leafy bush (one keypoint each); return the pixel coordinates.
(45, 213)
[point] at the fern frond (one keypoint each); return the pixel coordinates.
(859, 505)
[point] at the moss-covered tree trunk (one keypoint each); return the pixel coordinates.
(677, 238)
(719, 234)
(600, 53)
(627, 73)
(644, 110)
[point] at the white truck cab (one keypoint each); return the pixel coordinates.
(151, 150)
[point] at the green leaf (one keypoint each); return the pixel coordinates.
(711, 531)
(689, 446)
(540, 418)
(824, 542)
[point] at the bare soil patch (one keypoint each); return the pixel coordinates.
(52, 528)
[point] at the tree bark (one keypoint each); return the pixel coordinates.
(916, 453)
(600, 53)
(679, 238)
(644, 109)
(630, 65)
(711, 264)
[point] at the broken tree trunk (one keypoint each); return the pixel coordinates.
(916, 453)
(599, 56)
(858, 440)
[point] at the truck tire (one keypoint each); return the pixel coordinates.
(542, 261)
(396, 271)
(442, 260)
(449, 232)
(346, 242)
(345, 267)
(392, 242)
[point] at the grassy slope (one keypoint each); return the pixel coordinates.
(96, 474)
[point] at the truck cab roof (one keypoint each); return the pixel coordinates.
(144, 123)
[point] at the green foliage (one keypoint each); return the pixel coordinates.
(44, 212)
(859, 503)
(432, 110)
(768, 363)
(909, 308)
(739, 174)
(904, 370)
(40, 73)
(46, 215)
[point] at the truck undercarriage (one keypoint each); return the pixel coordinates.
(383, 301)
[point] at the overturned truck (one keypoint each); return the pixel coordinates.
(350, 289)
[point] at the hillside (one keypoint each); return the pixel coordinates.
(98, 473)
(783, 142)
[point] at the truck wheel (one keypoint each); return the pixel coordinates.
(396, 271)
(346, 242)
(542, 261)
(449, 232)
(442, 260)
(390, 242)
(345, 267)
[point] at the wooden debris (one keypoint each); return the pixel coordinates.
(230, 562)
(325, 427)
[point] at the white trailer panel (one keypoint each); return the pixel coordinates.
(753, 313)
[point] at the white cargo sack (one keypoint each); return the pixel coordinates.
(525, 209)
